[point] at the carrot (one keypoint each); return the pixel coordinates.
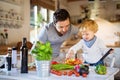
(84, 75)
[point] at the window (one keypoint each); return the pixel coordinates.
(51, 15)
(37, 13)
(43, 11)
(46, 14)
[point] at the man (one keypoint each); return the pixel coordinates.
(58, 31)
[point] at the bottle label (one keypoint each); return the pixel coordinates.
(20, 59)
(14, 57)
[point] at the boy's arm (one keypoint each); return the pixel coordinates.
(73, 50)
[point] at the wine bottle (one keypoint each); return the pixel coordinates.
(24, 56)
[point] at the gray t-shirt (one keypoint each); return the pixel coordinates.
(48, 33)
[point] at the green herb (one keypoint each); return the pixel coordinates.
(42, 51)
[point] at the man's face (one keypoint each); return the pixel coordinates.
(63, 26)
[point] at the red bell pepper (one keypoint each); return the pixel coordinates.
(54, 62)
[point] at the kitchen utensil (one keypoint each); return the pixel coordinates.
(108, 52)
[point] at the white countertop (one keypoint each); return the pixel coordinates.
(32, 75)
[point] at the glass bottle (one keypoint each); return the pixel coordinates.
(24, 56)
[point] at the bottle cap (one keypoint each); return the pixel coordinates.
(24, 37)
(9, 49)
(14, 48)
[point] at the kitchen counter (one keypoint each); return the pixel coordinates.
(113, 46)
(3, 49)
(32, 75)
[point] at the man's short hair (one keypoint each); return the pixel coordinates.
(60, 15)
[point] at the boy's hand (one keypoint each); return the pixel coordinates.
(70, 54)
(112, 51)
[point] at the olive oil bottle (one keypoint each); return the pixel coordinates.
(24, 56)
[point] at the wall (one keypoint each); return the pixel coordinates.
(63, 4)
(107, 31)
(104, 9)
(15, 35)
(74, 7)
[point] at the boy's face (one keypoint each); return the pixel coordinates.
(87, 35)
(63, 26)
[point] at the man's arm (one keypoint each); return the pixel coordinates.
(42, 36)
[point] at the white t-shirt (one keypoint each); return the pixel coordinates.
(92, 54)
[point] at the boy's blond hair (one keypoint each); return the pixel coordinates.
(89, 25)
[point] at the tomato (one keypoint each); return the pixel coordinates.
(64, 73)
(58, 73)
(84, 75)
(70, 73)
(51, 71)
(77, 74)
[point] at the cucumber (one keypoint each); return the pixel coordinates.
(62, 67)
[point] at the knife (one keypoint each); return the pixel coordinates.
(108, 52)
